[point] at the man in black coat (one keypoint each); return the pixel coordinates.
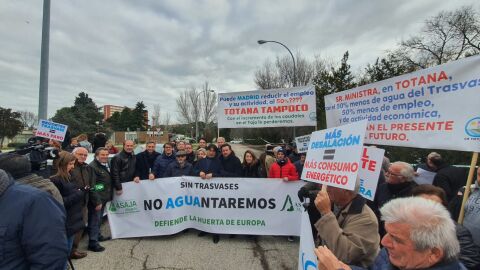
(123, 167)
(144, 162)
(103, 188)
(190, 153)
(448, 177)
(399, 184)
(231, 165)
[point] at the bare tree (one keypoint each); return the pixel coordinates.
(156, 115)
(445, 37)
(280, 74)
(208, 104)
(167, 120)
(183, 106)
(29, 119)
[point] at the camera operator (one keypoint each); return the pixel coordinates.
(33, 228)
(19, 167)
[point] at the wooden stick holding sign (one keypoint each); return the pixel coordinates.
(467, 186)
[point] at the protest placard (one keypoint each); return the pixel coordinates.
(302, 143)
(51, 130)
(371, 164)
(434, 108)
(286, 107)
(333, 157)
(306, 256)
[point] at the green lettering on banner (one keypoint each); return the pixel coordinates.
(288, 201)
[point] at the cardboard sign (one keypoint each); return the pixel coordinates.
(333, 157)
(51, 130)
(371, 164)
(302, 143)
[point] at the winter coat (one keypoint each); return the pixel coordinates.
(299, 168)
(103, 186)
(84, 175)
(33, 236)
(99, 141)
(174, 169)
(191, 158)
(285, 170)
(144, 164)
(209, 165)
(450, 179)
(382, 262)
(387, 192)
(469, 251)
(231, 166)
(122, 169)
(251, 170)
(161, 163)
(43, 184)
(472, 214)
(352, 235)
(73, 198)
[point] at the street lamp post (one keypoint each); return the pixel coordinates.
(196, 119)
(291, 54)
(294, 67)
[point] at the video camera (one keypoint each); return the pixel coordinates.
(38, 154)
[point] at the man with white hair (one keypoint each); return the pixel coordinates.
(420, 235)
(398, 184)
(350, 231)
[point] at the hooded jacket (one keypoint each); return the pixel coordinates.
(33, 236)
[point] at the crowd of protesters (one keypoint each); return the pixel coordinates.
(406, 226)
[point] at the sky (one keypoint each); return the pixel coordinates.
(121, 52)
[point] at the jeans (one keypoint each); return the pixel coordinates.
(94, 222)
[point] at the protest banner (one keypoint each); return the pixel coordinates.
(434, 108)
(306, 256)
(51, 130)
(286, 107)
(333, 157)
(254, 206)
(371, 164)
(302, 143)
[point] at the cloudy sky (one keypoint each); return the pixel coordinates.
(120, 52)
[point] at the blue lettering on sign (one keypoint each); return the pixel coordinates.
(307, 264)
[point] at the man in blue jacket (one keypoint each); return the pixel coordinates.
(34, 234)
(161, 162)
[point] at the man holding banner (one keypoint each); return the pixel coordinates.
(351, 233)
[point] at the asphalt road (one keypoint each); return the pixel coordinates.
(188, 251)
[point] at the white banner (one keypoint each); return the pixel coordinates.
(286, 107)
(307, 260)
(302, 143)
(371, 164)
(434, 108)
(51, 130)
(333, 157)
(254, 206)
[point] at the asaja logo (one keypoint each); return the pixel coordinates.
(472, 128)
(123, 207)
(289, 206)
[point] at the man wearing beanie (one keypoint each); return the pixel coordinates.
(34, 233)
(283, 168)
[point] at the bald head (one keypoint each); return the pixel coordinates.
(128, 146)
(81, 154)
